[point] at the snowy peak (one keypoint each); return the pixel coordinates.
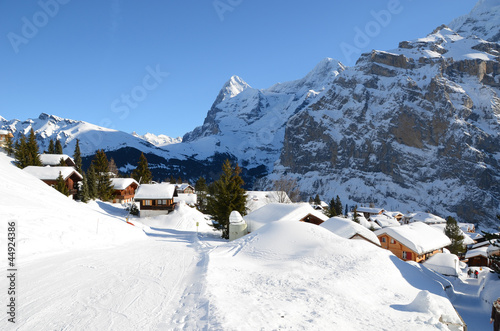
(234, 86)
(160, 140)
(483, 21)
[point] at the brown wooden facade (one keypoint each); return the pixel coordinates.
(403, 252)
(4, 137)
(478, 261)
(157, 204)
(125, 195)
(312, 219)
(71, 183)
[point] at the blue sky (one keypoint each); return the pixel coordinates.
(157, 66)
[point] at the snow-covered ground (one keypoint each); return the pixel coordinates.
(82, 267)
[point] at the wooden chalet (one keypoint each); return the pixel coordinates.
(124, 189)
(348, 229)
(367, 211)
(156, 199)
(49, 176)
(54, 160)
(413, 242)
(4, 135)
(478, 257)
(185, 188)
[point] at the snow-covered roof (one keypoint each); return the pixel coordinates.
(369, 210)
(123, 183)
(155, 191)
(257, 199)
(183, 186)
(445, 264)
(188, 198)
(441, 227)
(481, 251)
(274, 212)
(54, 159)
(4, 132)
(384, 220)
(347, 229)
(492, 249)
(425, 218)
(235, 217)
(51, 173)
(419, 237)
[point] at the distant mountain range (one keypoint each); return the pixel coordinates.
(413, 128)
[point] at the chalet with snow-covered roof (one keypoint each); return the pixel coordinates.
(275, 212)
(185, 188)
(426, 218)
(54, 160)
(350, 230)
(4, 135)
(124, 189)
(383, 220)
(494, 251)
(257, 199)
(156, 199)
(368, 211)
(413, 242)
(477, 257)
(49, 176)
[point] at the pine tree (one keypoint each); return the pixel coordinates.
(179, 180)
(201, 193)
(338, 205)
(104, 185)
(52, 149)
(61, 185)
(452, 230)
(21, 153)
(331, 209)
(142, 174)
(9, 146)
(83, 193)
(317, 200)
(346, 210)
(58, 147)
(226, 195)
(33, 153)
(77, 156)
(172, 180)
(112, 168)
(92, 182)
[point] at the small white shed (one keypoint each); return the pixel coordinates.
(237, 226)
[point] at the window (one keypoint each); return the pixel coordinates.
(393, 241)
(146, 202)
(404, 255)
(162, 202)
(383, 239)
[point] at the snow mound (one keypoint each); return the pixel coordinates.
(294, 275)
(182, 218)
(49, 222)
(425, 302)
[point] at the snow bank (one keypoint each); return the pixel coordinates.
(293, 275)
(49, 222)
(182, 218)
(445, 264)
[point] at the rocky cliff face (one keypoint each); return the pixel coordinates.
(415, 127)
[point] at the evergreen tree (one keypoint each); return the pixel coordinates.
(52, 149)
(172, 180)
(338, 206)
(452, 230)
(346, 210)
(92, 182)
(226, 195)
(317, 200)
(58, 147)
(61, 185)
(142, 174)
(77, 156)
(331, 212)
(179, 180)
(201, 193)
(83, 192)
(21, 153)
(33, 153)
(104, 185)
(9, 146)
(62, 163)
(355, 214)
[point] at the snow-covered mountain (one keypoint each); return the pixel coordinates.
(483, 21)
(160, 140)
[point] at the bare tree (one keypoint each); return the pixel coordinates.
(286, 189)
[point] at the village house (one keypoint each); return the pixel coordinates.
(124, 189)
(368, 211)
(275, 212)
(156, 199)
(383, 220)
(477, 257)
(49, 176)
(4, 135)
(54, 160)
(257, 199)
(426, 218)
(185, 188)
(350, 230)
(413, 242)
